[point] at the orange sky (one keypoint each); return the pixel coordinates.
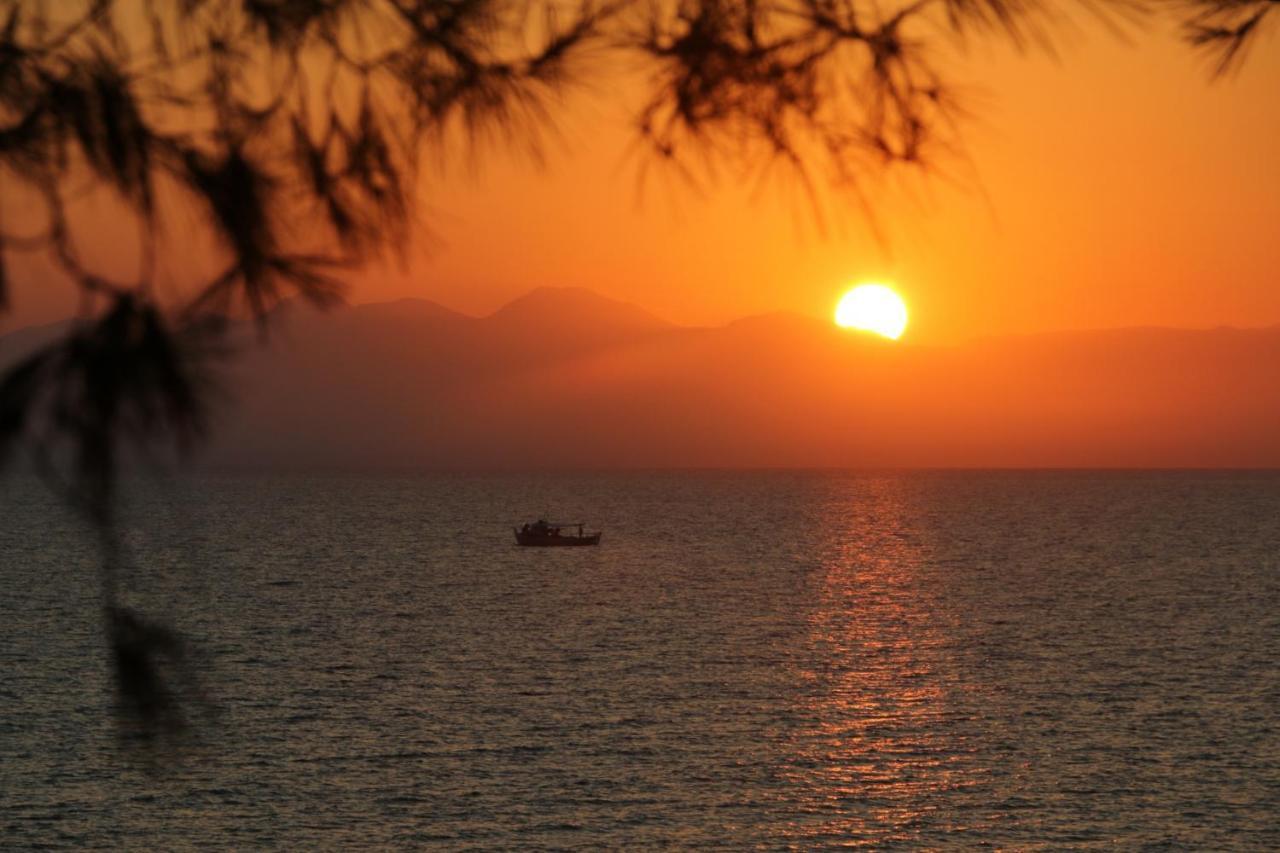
(1121, 188)
(1116, 186)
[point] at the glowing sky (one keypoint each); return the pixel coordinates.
(1114, 186)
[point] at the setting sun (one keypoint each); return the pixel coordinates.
(873, 308)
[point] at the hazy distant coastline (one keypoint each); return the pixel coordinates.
(565, 377)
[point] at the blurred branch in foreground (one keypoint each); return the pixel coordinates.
(1226, 29)
(294, 130)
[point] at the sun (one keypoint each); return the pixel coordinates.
(873, 308)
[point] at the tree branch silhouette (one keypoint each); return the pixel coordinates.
(1226, 29)
(295, 128)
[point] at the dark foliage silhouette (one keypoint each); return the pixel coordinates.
(295, 129)
(1226, 29)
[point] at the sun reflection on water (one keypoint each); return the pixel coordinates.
(875, 747)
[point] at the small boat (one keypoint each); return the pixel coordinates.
(546, 534)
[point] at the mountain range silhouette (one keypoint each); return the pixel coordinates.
(564, 377)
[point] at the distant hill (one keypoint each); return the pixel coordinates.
(565, 377)
(578, 313)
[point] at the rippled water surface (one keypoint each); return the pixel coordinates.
(748, 660)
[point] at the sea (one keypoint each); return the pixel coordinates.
(773, 660)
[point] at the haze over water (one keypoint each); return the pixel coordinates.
(749, 659)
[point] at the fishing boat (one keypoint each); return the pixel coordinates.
(546, 534)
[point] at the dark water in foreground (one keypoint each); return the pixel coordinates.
(749, 660)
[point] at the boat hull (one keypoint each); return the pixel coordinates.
(549, 540)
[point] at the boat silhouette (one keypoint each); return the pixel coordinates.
(546, 534)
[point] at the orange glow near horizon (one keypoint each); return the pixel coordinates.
(1061, 214)
(1065, 216)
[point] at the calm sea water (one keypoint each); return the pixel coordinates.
(764, 660)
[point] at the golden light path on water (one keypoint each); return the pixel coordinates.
(876, 753)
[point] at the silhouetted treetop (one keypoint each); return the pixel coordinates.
(296, 125)
(295, 129)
